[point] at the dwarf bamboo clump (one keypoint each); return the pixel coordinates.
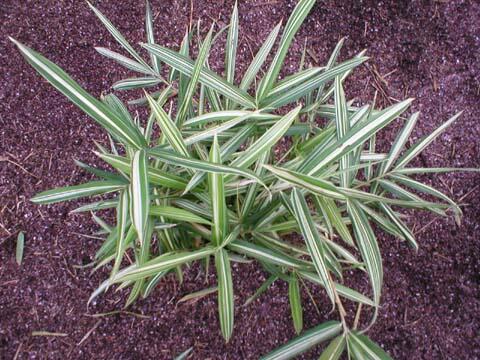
(209, 186)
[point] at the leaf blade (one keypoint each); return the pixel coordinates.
(225, 293)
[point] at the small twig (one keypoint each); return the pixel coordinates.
(467, 194)
(357, 316)
(15, 357)
(48, 333)
(3, 158)
(89, 332)
(117, 312)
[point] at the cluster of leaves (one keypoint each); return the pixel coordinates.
(210, 185)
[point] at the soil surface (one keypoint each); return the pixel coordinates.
(423, 49)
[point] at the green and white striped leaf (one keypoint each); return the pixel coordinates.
(169, 129)
(368, 347)
(310, 183)
(122, 220)
(295, 299)
(123, 60)
(358, 134)
(105, 175)
(214, 130)
(225, 293)
(95, 206)
(335, 349)
(207, 77)
(267, 140)
(135, 83)
(201, 165)
(231, 50)
(330, 63)
(266, 255)
(331, 212)
(368, 246)
(221, 116)
(177, 214)
(259, 59)
(342, 126)
(117, 35)
(400, 142)
(342, 290)
(293, 24)
(217, 193)
(416, 170)
(418, 147)
(115, 104)
(140, 204)
(162, 98)
(314, 242)
(128, 134)
(306, 341)
(155, 176)
(407, 234)
(162, 263)
(417, 185)
(294, 80)
(274, 102)
(150, 35)
(77, 191)
(194, 78)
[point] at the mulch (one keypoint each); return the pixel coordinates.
(422, 49)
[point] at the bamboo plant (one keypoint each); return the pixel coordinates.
(210, 188)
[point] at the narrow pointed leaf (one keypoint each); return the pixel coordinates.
(259, 59)
(226, 115)
(194, 78)
(296, 308)
(335, 349)
(418, 147)
(342, 127)
(400, 141)
(217, 192)
(263, 254)
(306, 341)
(225, 293)
(356, 136)
(124, 61)
(311, 84)
(130, 135)
(135, 83)
(155, 176)
(293, 24)
(201, 165)
(267, 140)
(231, 49)
(140, 204)
(310, 183)
(169, 129)
(207, 77)
(150, 35)
(122, 219)
(117, 35)
(177, 214)
(372, 350)
(162, 263)
(368, 246)
(342, 290)
(312, 238)
(77, 191)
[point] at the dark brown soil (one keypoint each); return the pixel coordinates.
(431, 306)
